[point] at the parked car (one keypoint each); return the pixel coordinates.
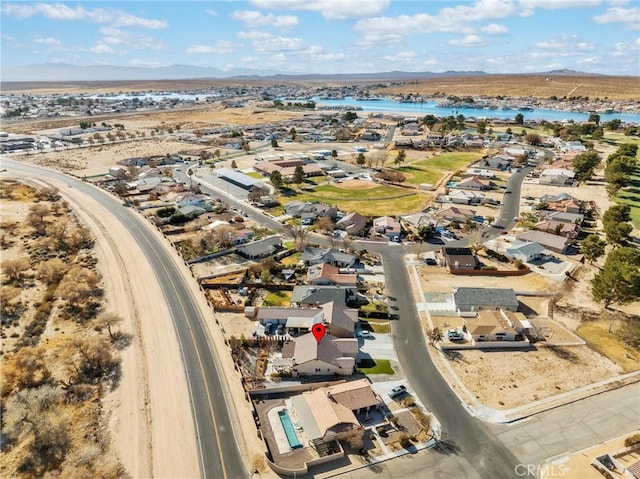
(365, 334)
(431, 261)
(268, 328)
(280, 329)
(397, 391)
(454, 335)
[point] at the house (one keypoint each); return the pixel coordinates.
(312, 295)
(327, 357)
(417, 220)
(556, 176)
(491, 325)
(328, 255)
(190, 199)
(388, 226)
(340, 320)
(239, 179)
(555, 243)
(325, 273)
(477, 299)
(466, 197)
(474, 183)
(498, 162)
(453, 213)
(459, 258)
(560, 228)
(118, 172)
(527, 251)
(480, 172)
(192, 211)
(330, 413)
(562, 202)
(353, 224)
(261, 248)
(296, 320)
(576, 218)
(299, 209)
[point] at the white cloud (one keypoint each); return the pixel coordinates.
(551, 44)
(620, 15)
(254, 19)
(60, 11)
(253, 35)
(46, 41)
(401, 57)
(494, 29)
(115, 36)
(280, 44)
(589, 60)
(212, 12)
(220, 47)
(557, 4)
(448, 20)
(373, 39)
(102, 49)
(622, 49)
(332, 9)
(467, 41)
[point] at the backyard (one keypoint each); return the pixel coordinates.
(450, 161)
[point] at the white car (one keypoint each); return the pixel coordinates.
(454, 335)
(365, 334)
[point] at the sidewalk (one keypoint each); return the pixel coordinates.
(488, 414)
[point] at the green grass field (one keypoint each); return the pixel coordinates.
(450, 161)
(378, 201)
(277, 298)
(631, 196)
(375, 366)
(417, 175)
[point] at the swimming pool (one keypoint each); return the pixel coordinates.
(292, 437)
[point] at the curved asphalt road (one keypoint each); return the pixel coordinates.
(218, 452)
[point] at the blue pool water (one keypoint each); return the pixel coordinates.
(292, 437)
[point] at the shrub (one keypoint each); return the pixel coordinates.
(632, 440)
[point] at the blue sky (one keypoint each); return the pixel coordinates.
(330, 36)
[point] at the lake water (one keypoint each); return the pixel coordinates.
(421, 109)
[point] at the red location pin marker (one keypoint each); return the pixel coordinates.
(318, 331)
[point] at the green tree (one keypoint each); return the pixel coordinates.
(617, 233)
(400, 157)
(360, 159)
(614, 124)
(481, 126)
(617, 214)
(619, 280)
(298, 175)
(293, 133)
(234, 165)
(584, 164)
(519, 119)
(334, 153)
(592, 247)
(274, 143)
(276, 179)
(595, 118)
(429, 121)
(349, 116)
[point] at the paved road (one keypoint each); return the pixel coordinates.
(219, 455)
(463, 436)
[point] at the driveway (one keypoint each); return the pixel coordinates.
(380, 346)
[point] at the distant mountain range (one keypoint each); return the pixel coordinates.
(58, 72)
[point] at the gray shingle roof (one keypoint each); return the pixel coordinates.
(485, 297)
